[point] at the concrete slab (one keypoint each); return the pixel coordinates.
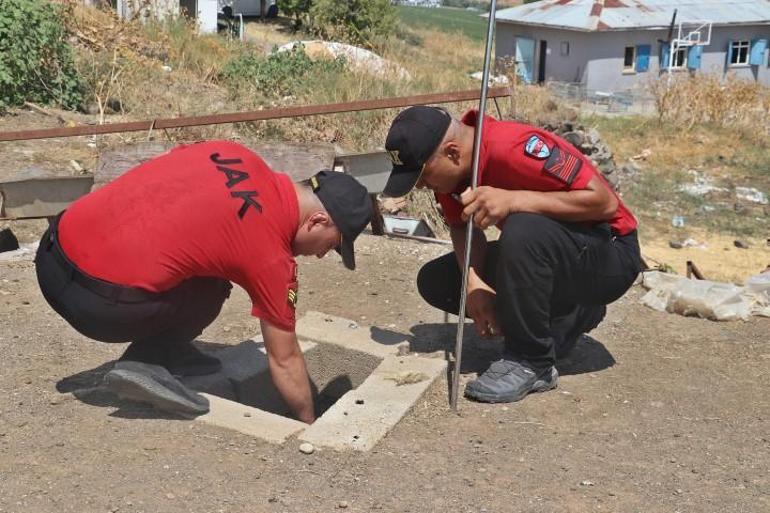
(346, 333)
(362, 417)
(250, 421)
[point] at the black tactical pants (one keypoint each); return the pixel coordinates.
(553, 281)
(113, 313)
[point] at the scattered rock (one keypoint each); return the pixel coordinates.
(741, 244)
(342, 504)
(589, 142)
(586, 483)
(306, 448)
(675, 244)
(8, 241)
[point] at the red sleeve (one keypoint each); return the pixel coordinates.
(547, 162)
(273, 293)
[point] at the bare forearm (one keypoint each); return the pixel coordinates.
(288, 371)
(291, 380)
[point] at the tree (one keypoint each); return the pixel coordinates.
(299, 9)
(355, 21)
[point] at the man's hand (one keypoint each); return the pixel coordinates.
(288, 371)
(488, 205)
(480, 306)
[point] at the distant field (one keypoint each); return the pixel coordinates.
(447, 19)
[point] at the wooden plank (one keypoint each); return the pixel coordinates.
(41, 196)
(299, 160)
(259, 115)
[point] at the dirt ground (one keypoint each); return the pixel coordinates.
(654, 413)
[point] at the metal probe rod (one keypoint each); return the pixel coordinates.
(469, 231)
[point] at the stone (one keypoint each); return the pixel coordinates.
(675, 244)
(342, 504)
(8, 241)
(741, 244)
(306, 448)
(574, 138)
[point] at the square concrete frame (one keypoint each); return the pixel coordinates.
(359, 419)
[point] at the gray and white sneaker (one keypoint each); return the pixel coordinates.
(153, 384)
(507, 381)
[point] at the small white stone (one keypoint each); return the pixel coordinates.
(306, 448)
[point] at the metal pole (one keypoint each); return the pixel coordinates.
(469, 231)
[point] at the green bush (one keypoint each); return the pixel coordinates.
(356, 21)
(279, 74)
(298, 9)
(36, 62)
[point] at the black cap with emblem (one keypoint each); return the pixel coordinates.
(413, 137)
(347, 202)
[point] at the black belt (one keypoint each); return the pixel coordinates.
(99, 287)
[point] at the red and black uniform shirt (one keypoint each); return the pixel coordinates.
(212, 209)
(515, 156)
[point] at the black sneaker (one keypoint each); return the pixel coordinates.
(154, 385)
(184, 359)
(507, 381)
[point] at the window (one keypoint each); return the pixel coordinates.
(680, 58)
(565, 48)
(629, 59)
(739, 53)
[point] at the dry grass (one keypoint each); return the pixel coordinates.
(692, 100)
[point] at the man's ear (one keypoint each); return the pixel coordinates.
(452, 151)
(320, 219)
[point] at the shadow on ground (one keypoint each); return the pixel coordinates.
(589, 355)
(256, 391)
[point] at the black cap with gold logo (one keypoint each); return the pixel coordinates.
(413, 137)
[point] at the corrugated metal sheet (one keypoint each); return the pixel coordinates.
(635, 14)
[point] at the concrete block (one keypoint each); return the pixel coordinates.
(362, 417)
(249, 421)
(347, 333)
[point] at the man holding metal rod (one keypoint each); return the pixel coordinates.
(568, 245)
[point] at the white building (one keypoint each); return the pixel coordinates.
(616, 45)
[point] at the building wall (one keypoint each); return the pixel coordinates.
(596, 58)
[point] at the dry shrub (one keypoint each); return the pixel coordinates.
(690, 100)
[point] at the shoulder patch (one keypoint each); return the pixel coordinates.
(562, 165)
(537, 148)
(292, 298)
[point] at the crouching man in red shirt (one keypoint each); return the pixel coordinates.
(568, 245)
(148, 259)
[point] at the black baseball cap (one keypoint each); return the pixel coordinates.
(413, 137)
(347, 202)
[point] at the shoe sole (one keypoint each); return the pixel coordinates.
(539, 386)
(142, 388)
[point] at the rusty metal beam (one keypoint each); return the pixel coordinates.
(258, 115)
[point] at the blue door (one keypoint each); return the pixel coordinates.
(525, 58)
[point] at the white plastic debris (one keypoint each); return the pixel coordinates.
(751, 194)
(707, 299)
(494, 80)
